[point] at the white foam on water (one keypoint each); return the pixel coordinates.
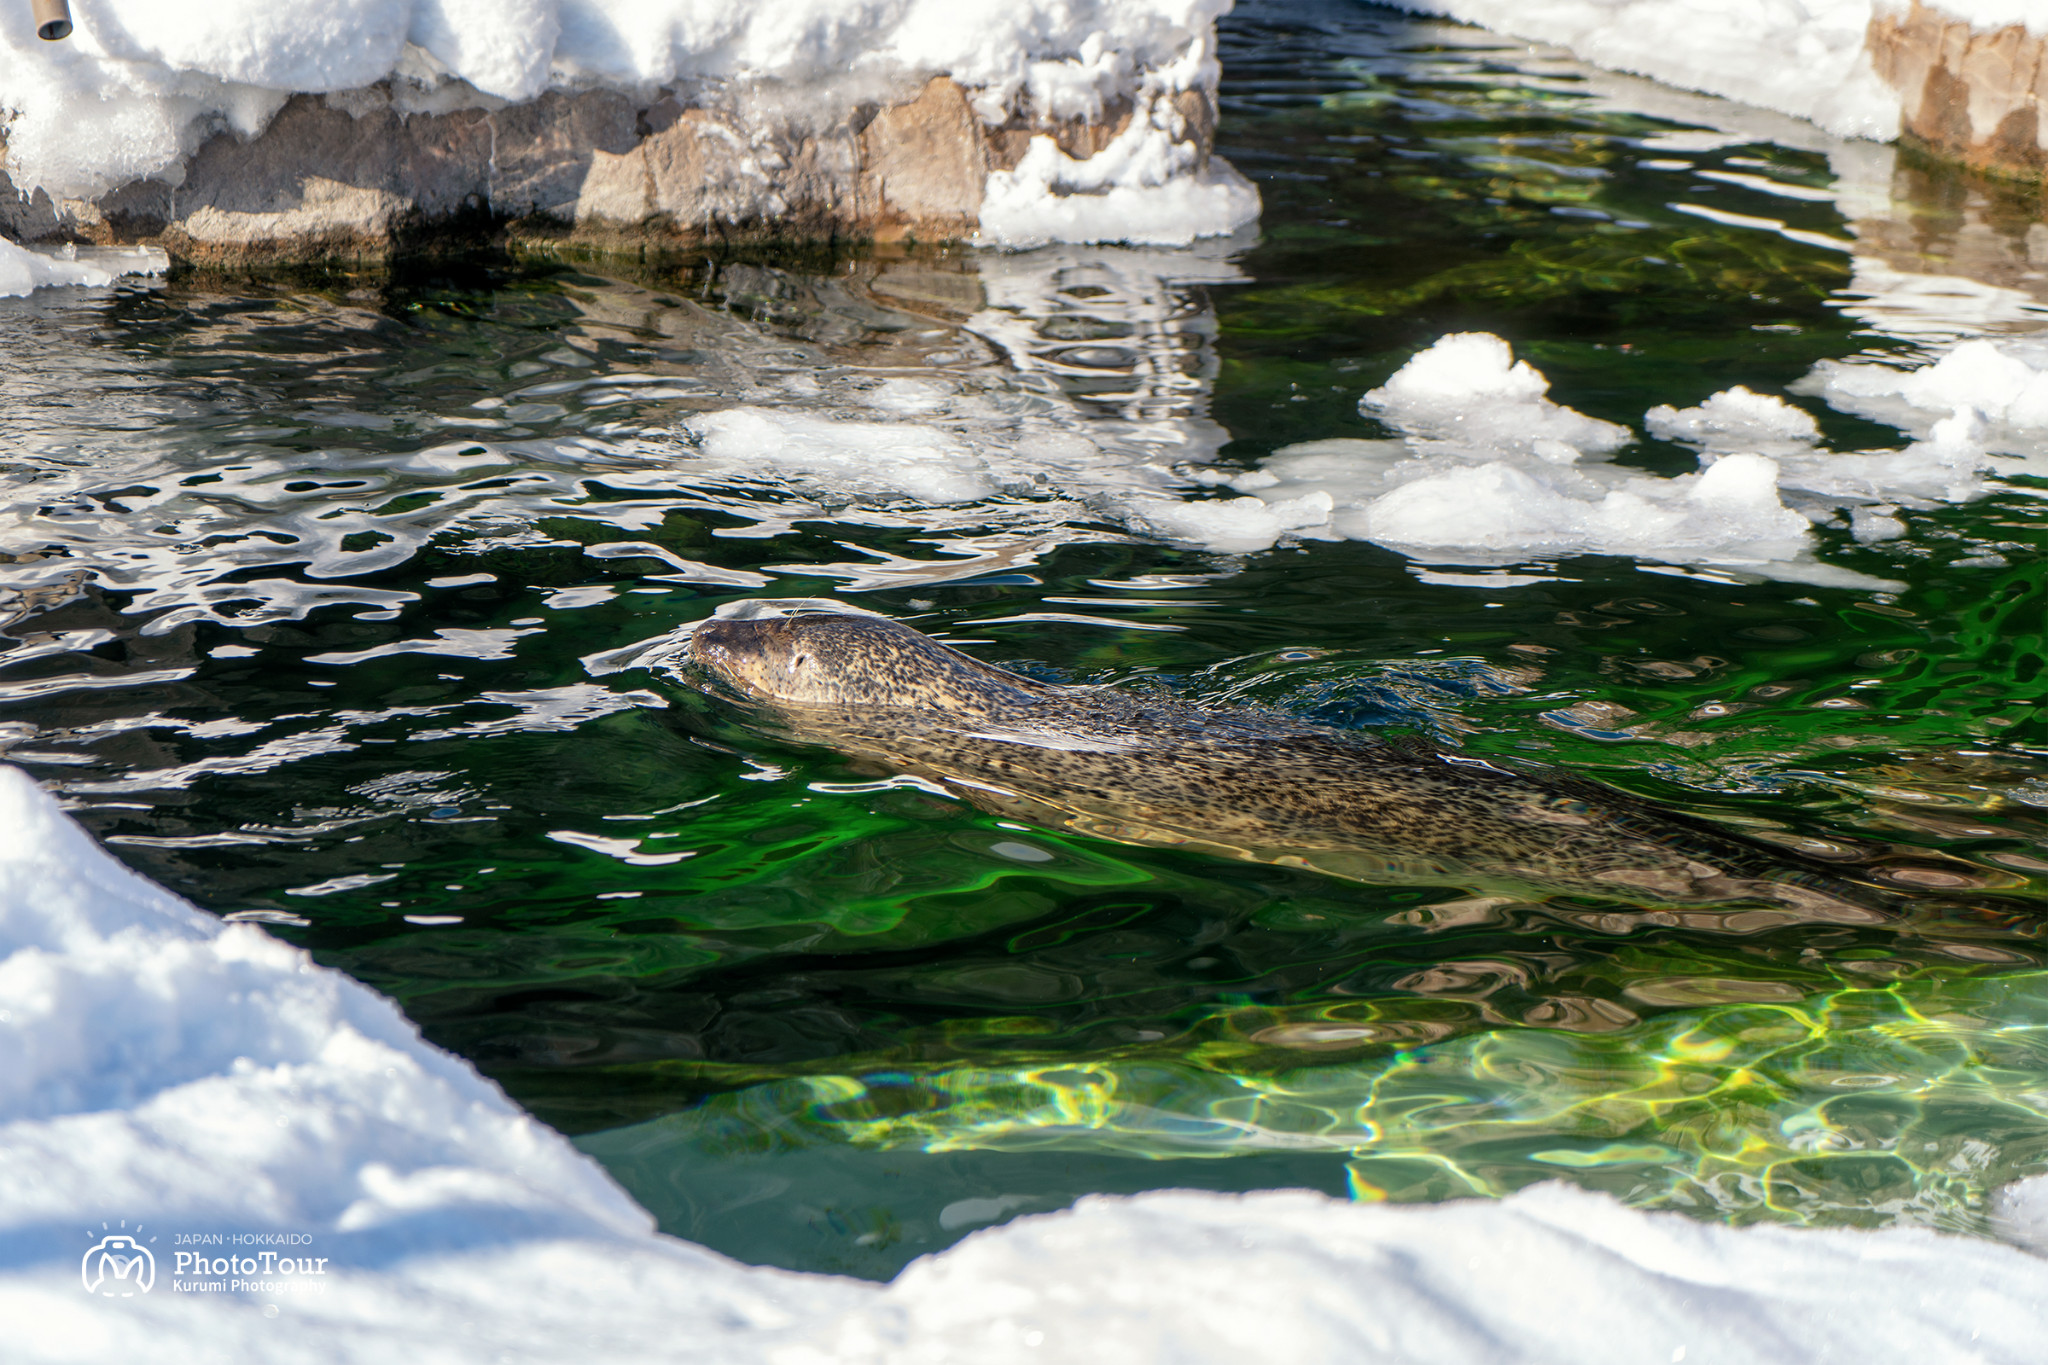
(172, 1075)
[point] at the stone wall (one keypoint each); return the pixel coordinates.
(1970, 96)
(354, 178)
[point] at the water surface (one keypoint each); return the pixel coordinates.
(302, 577)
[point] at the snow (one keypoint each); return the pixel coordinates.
(887, 458)
(1804, 57)
(1143, 188)
(1490, 470)
(23, 271)
(172, 1076)
(1151, 185)
(141, 83)
(2003, 381)
(1468, 393)
(1986, 16)
(1801, 57)
(1736, 419)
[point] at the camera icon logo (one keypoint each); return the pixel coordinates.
(118, 1266)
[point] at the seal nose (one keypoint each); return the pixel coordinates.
(725, 649)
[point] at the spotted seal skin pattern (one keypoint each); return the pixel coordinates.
(1251, 784)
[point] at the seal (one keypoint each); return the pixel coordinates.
(1241, 782)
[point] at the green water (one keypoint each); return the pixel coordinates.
(300, 628)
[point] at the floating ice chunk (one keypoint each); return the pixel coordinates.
(1238, 525)
(1736, 419)
(1490, 470)
(23, 271)
(908, 397)
(1875, 524)
(2004, 378)
(1502, 506)
(902, 458)
(1461, 366)
(1946, 467)
(1469, 395)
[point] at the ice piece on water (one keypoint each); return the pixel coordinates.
(1232, 524)
(1490, 470)
(1870, 525)
(2003, 379)
(23, 271)
(1946, 467)
(1502, 506)
(1469, 394)
(906, 458)
(1736, 419)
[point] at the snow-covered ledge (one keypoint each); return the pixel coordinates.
(241, 131)
(1963, 79)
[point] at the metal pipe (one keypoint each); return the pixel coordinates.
(53, 19)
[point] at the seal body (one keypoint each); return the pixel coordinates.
(1245, 783)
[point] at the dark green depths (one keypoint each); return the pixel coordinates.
(1250, 784)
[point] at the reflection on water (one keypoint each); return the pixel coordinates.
(301, 576)
(1867, 1105)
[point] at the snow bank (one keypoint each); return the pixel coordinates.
(173, 1075)
(1804, 57)
(176, 1080)
(141, 83)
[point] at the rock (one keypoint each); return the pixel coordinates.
(1971, 96)
(923, 165)
(352, 177)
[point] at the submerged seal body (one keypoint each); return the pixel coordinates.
(1249, 784)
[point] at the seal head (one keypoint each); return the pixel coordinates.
(821, 660)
